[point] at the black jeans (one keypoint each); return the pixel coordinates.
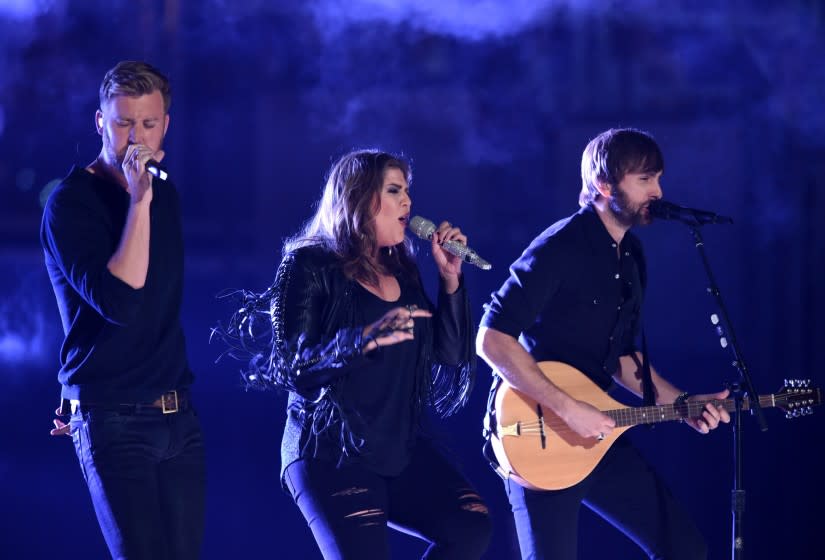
(623, 490)
(350, 508)
(145, 473)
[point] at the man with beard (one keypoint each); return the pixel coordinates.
(114, 253)
(575, 296)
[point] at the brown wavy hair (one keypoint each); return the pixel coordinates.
(613, 154)
(344, 219)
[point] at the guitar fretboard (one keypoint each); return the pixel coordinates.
(665, 413)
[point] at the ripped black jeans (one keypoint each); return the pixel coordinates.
(349, 509)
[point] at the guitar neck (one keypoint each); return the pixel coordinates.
(633, 416)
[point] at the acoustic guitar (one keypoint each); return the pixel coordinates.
(539, 450)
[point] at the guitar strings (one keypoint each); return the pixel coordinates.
(629, 416)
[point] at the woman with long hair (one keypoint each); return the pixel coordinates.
(362, 352)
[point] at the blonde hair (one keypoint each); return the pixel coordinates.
(135, 78)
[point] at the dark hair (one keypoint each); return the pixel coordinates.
(344, 219)
(613, 154)
(135, 78)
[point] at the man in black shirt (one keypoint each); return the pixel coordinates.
(114, 253)
(575, 296)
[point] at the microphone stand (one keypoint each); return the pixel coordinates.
(744, 387)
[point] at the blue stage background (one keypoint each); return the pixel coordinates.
(494, 102)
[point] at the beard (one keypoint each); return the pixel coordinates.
(627, 213)
(111, 157)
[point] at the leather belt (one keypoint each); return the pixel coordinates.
(169, 403)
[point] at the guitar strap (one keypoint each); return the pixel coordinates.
(648, 396)
(489, 425)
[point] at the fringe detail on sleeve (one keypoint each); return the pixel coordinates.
(449, 386)
(327, 414)
(248, 337)
(252, 336)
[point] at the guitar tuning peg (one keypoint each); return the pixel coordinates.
(788, 415)
(807, 383)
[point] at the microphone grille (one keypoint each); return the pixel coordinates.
(422, 227)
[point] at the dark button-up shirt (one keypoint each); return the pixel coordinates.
(574, 296)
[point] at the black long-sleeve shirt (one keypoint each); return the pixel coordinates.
(571, 297)
(123, 345)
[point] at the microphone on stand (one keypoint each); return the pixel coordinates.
(691, 216)
(424, 229)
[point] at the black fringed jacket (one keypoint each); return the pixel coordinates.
(317, 342)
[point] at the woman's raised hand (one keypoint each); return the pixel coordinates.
(396, 325)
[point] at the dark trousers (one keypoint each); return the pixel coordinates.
(624, 491)
(145, 473)
(349, 509)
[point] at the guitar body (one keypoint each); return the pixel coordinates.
(566, 458)
(539, 451)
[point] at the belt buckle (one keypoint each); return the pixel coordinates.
(169, 402)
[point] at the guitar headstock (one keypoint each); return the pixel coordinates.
(797, 398)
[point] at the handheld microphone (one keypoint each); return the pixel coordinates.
(424, 229)
(156, 169)
(691, 216)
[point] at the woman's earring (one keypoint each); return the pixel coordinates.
(389, 251)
